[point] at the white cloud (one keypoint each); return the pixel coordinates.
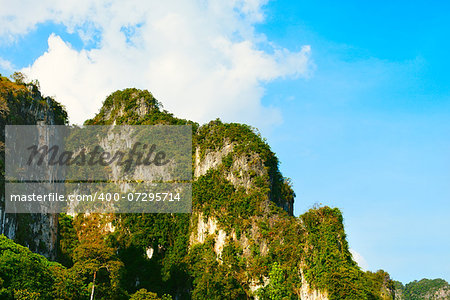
(6, 65)
(359, 259)
(202, 59)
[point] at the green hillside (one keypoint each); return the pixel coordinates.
(423, 289)
(240, 242)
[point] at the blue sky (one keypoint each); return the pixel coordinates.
(352, 96)
(369, 131)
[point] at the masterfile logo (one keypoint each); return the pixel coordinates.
(98, 168)
(147, 157)
(98, 153)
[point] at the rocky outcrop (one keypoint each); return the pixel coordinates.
(211, 160)
(208, 228)
(423, 289)
(241, 238)
(23, 104)
(441, 294)
(306, 293)
(242, 168)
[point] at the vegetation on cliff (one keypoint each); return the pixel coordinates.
(134, 107)
(26, 275)
(241, 240)
(423, 289)
(21, 103)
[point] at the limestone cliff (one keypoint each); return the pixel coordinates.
(423, 289)
(241, 238)
(22, 104)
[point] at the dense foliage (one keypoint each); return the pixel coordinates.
(134, 107)
(329, 264)
(25, 275)
(247, 143)
(423, 289)
(165, 236)
(21, 103)
(263, 249)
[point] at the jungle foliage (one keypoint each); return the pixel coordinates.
(423, 289)
(265, 251)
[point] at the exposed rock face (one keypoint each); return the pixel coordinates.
(236, 154)
(242, 224)
(256, 285)
(240, 170)
(306, 293)
(442, 293)
(211, 160)
(22, 104)
(423, 289)
(209, 228)
(122, 107)
(399, 295)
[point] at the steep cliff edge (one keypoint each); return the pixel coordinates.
(423, 289)
(241, 240)
(22, 104)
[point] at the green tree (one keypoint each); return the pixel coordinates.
(276, 289)
(19, 77)
(95, 258)
(68, 240)
(143, 294)
(26, 275)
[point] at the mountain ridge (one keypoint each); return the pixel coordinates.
(241, 240)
